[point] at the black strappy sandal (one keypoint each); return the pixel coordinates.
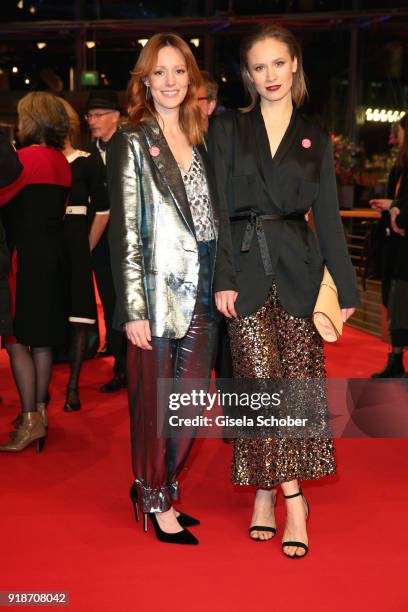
(297, 544)
(262, 528)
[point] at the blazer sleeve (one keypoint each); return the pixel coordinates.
(330, 233)
(125, 240)
(218, 142)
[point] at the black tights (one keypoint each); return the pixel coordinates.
(31, 369)
(77, 351)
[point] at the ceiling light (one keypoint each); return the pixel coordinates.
(27, 81)
(33, 10)
(20, 4)
(90, 44)
(195, 42)
(142, 41)
(14, 69)
(41, 45)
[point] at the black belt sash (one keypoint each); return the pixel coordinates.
(255, 223)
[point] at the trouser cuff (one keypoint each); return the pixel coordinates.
(156, 499)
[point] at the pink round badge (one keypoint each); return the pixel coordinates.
(154, 151)
(306, 143)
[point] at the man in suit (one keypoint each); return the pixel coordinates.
(103, 115)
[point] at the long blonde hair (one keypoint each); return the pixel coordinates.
(140, 103)
(299, 87)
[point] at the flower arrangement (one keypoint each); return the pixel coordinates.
(343, 159)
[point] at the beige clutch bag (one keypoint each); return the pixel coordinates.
(327, 312)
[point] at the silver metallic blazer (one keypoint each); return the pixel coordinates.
(153, 246)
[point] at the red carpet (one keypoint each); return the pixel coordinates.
(67, 524)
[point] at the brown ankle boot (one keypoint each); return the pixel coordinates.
(16, 422)
(30, 430)
(42, 410)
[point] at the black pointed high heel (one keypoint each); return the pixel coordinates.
(72, 405)
(185, 520)
(262, 528)
(294, 543)
(181, 537)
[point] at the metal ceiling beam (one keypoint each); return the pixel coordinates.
(336, 19)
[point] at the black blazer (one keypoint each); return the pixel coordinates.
(300, 176)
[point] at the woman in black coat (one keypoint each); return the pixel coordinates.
(394, 270)
(88, 192)
(32, 213)
(272, 165)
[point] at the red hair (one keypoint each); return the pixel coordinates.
(140, 102)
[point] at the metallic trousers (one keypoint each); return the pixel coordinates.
(158, 459)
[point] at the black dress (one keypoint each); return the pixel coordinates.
(88, 194)
(33, 221)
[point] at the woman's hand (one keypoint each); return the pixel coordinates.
(225, 302)
(381, 204)
(138, 332)
(394, 212)
(346, 313)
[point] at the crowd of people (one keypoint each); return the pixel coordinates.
(189, 227)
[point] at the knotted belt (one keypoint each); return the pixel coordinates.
(255, 223)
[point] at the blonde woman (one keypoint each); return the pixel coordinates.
(273, 164)
(33, 220)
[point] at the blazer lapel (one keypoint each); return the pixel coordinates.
(268, 165)
(288, 139)
(262, 148)
(164, 161)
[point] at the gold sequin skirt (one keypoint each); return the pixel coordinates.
(274, 344)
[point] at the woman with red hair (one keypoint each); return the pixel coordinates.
(166, 259)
